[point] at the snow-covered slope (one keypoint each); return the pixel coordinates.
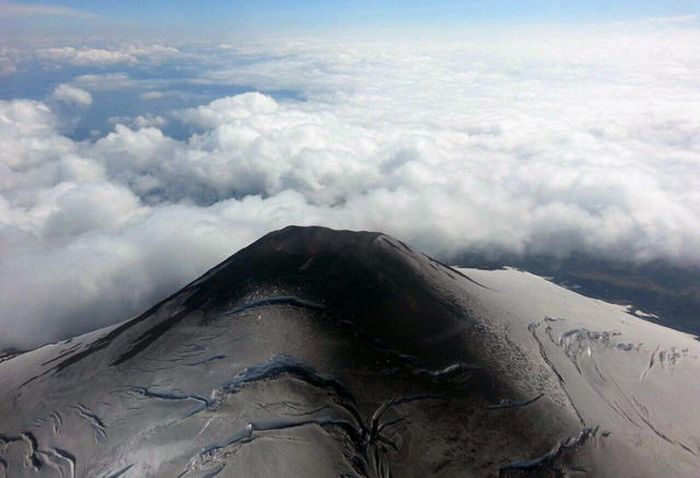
(316, 353)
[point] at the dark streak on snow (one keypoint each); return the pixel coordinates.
(213, 358)
(506, 403)
(279, 300)
(121, 472)
(174, 396)
(63, 354)
(69, 457)
(150, 336)
(92, 418)
(451, 269)
(545, 466)
(562, 383)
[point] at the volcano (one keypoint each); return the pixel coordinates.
(322, 353)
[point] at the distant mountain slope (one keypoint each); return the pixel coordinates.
(320, 353)
(670, 292)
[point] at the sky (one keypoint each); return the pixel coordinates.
(271, 17)
(135, 153)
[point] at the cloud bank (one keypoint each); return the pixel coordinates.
(504, 145)
(124, 55)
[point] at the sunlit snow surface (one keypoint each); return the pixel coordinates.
(322, 353)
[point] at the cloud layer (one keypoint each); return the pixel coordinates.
(509, 144)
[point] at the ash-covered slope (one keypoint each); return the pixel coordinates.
(317, 353)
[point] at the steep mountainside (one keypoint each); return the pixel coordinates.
(315, 353)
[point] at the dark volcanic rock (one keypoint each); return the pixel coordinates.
(315, 352)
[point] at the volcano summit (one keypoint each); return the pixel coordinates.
(315, 353)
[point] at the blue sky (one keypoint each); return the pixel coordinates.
(308, 16)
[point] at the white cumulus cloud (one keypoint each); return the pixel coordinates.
(72, 95)
(540, 144)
